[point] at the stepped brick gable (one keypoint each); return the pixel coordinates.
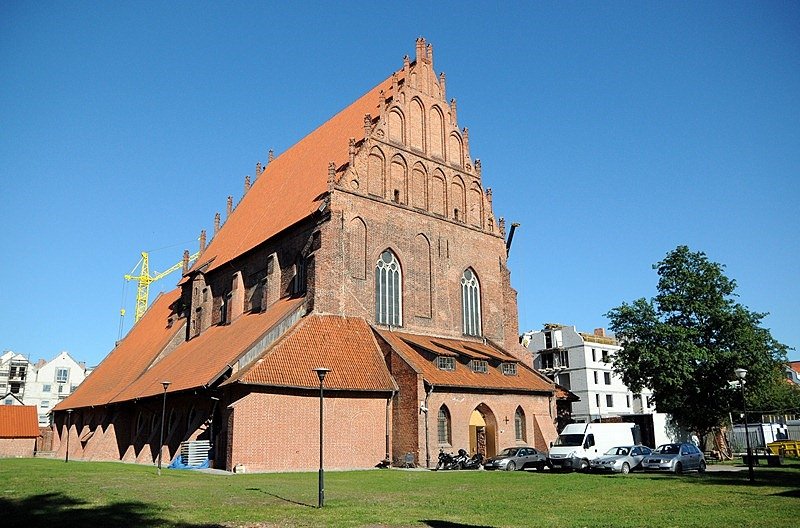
(370, 248)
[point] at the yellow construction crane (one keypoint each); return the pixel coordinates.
(144, 280)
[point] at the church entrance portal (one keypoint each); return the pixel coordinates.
(483, 432)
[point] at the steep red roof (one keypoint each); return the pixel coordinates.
(130, 358)
(200, 361)
(420, 352)
(795, 366)
(18, 421)
(346, 345)
(293, 184)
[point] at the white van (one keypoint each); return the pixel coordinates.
(580, 443)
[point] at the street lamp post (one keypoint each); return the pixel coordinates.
(69, 424)
(741, 374)
(321, 372)
(165, 384)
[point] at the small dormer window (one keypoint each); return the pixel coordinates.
(479, 365)
(509, 369)
(445, 363)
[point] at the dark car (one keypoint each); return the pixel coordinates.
(515, 458)
(676, 458)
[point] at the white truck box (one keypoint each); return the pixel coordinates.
(580, 443)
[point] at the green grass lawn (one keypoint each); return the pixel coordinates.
(39, 492)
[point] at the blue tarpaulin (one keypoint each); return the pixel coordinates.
(178, 464)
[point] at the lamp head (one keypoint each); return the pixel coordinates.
(740, 373)
(165, 384)
(321, 373)
(69, 411)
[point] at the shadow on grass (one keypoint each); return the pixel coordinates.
(448, 524)
(53, 509)
(781, 478)
(284, 499)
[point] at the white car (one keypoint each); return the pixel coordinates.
(622, 459)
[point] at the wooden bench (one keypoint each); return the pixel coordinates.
(772, 460)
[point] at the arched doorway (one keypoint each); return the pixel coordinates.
(483, 431)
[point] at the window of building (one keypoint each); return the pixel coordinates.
(546, 360)
(563, 357)
(8, 401)
(15, 388)
(479, 365)
(62, 374)
(509, 369)
(299, 281)
(607, 378)
(597, 400)
(548, 339)
(72, 388)
(627, 400)
(594, 373)
(564, 380)
(47, 388)
(446, 363)
(605, 356)
(388, 290)
(471, 303)
(594, 355)
(609, 400)
(443, 426)
(45, 404)
(60, 389)
(519, 425)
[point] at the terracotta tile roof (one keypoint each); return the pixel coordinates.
(131, 370)
(129, 358)
(346, 345)
(795, 366)
(565, 394)
(200, 361)
(420, 352)
(18, 421)
(293, 184)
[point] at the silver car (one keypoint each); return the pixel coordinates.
(513, 458)
(622, 459)
(676, 458)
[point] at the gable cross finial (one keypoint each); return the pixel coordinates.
(271, 155)
(259, 170)
(202, 240)
(185, 261)
(230, 206)
(216, 223)
(246, 183)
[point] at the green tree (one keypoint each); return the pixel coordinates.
(684, 343)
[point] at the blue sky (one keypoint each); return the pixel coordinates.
(611, 131)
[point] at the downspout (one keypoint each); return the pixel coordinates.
(388, 403)
(427, 449)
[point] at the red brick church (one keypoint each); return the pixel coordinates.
(369, 248)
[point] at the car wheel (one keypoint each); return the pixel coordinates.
(702, 467)
(678, 468)
(584, 465)
(511, 466)
(626, 468)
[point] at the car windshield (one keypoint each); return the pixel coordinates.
(618, 451)
(508, 452)
(569, 440)
(668, 449)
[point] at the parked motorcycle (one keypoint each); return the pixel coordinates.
(461, 460)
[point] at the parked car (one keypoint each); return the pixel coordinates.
(515, 458)
(621, 459)
(676, 458)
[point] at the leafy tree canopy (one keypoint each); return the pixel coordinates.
(684, 344)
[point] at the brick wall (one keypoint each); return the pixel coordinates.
(277, 432)
(17, 447)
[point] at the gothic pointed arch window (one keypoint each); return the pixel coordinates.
(388, 290)
(443, 425)
(471, 302)
(520, 433)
